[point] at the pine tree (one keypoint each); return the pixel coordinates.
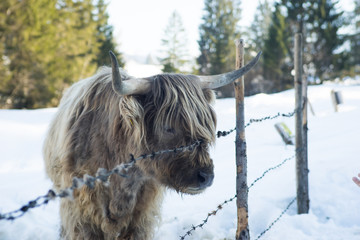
(46, 45)
(355, 40)
(260, 26)
(5, 73)
(298, 13)
(80, 43)
(320, 33)
(104, 36)
(174, 44)
(255, 39)
(217, 35)
(326, 23)
(275, 50)
(27, 32)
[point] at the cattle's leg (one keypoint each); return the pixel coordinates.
(85, 232)
(74, 226)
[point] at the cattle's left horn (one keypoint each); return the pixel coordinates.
(127, 87)
(216, 81)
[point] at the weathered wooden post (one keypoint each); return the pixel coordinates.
(302, 183)
(305, 142)
(242, 231)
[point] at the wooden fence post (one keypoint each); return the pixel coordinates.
(302, 183)
(242, 231)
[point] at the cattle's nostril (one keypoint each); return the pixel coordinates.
(205, 179)
(202, 177)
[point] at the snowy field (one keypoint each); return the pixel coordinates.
(334, 158)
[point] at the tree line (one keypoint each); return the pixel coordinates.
(46, 45)
(328, 52)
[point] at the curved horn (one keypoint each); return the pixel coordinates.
(128, 87)
(216, 81)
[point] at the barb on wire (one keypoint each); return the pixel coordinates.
(276, 220)
(254, 120)
(102, 175)
(220, 206)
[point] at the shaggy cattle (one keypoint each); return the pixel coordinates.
(103, 119)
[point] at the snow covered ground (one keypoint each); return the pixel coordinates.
(334, 150)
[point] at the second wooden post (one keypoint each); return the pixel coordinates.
(242, 231)
(302, 183)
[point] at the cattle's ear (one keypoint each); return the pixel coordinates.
(132, 114)
(209, 95)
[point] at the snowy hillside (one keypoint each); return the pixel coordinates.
(334, 158)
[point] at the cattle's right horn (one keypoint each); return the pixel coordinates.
(220, 80)
(127, 87)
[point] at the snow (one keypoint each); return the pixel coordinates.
(333, 160)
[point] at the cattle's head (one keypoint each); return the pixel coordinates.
(177, 112)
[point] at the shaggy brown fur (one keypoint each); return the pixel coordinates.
(96, 128)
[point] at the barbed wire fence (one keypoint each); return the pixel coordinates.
(102, 176)
(220, 206)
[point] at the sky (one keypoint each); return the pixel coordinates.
(139, 24)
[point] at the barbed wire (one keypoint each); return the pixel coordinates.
(213, 213)
(277, 219)
(226, 133)
(257, 120)
(31, 204)
(275, 167)
(270, 169)
(288, 115)
(220, 206)
(102, 175)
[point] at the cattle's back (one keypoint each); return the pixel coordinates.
(91, 122)
(75, 101)
(55, 147)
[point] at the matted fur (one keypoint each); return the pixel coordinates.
(96, 128)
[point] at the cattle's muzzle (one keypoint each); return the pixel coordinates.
(204, 179)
